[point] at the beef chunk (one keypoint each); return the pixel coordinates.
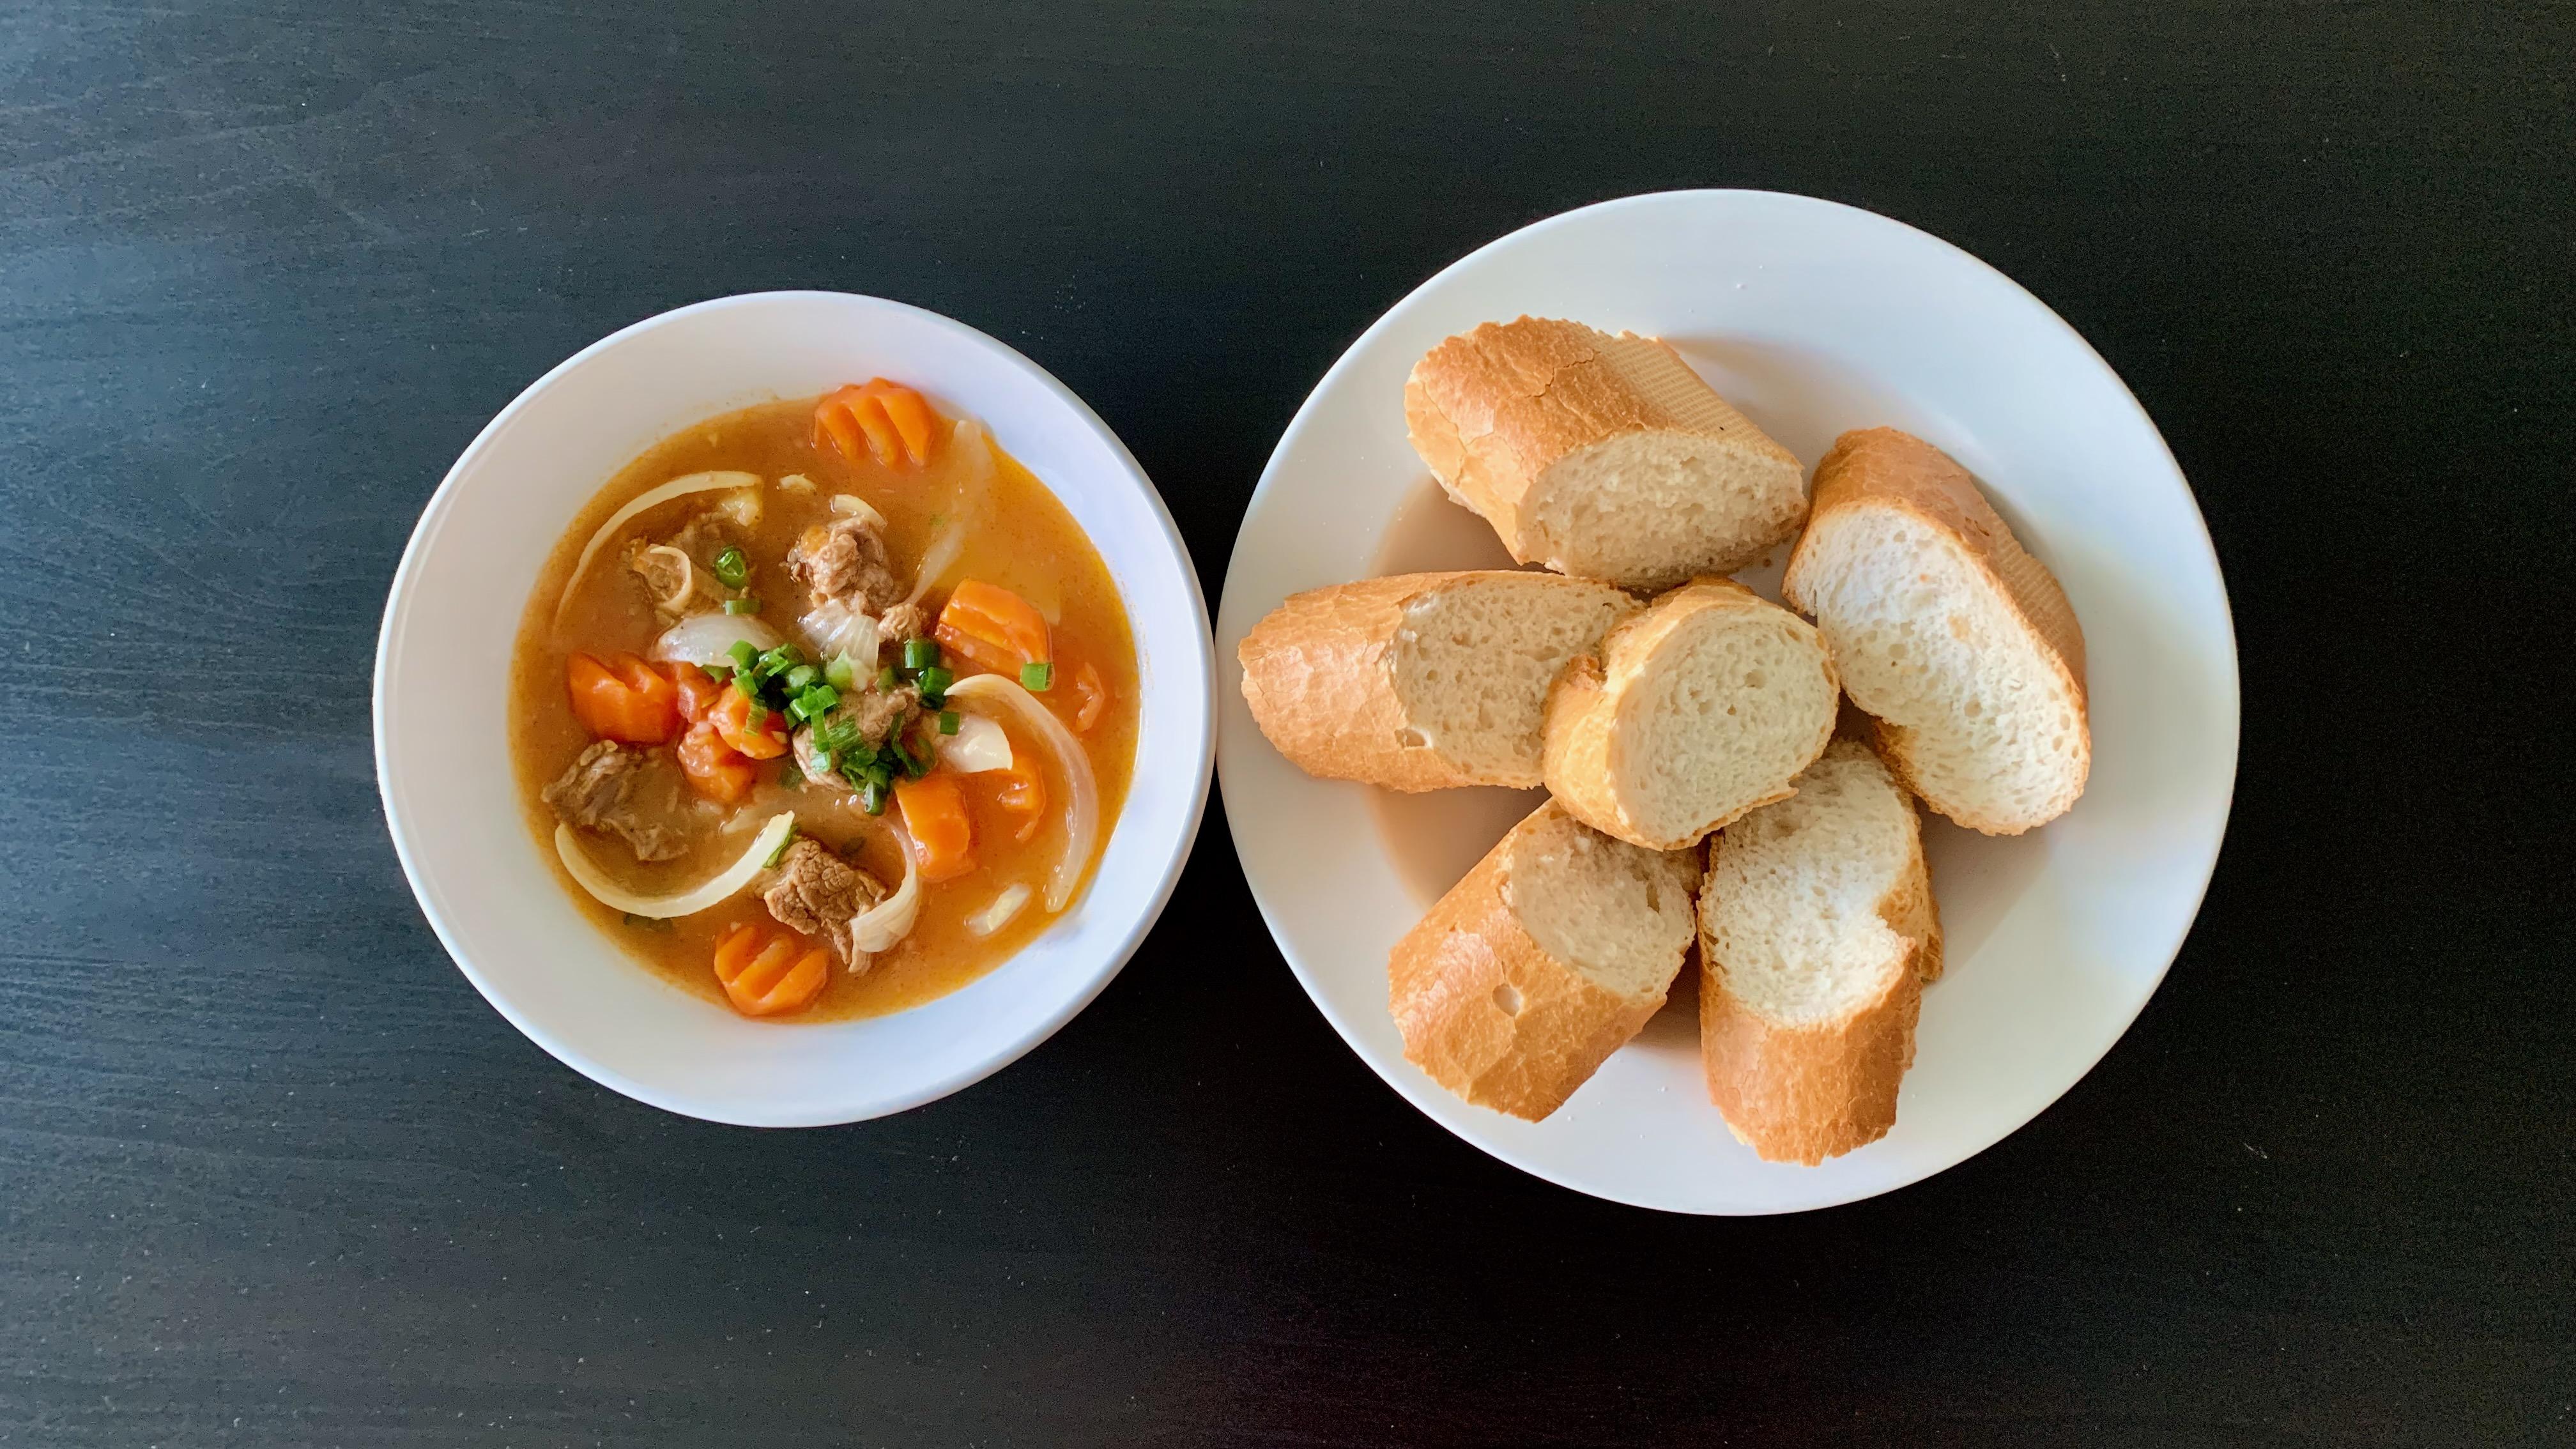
(814, 891)
(905, 621)
(845, 561)
(624, 792)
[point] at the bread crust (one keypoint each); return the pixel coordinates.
(1446, 985)
(1886, 468)
(1492, 409)
(1585, 710)
(1806, 1091)
(1319, 674)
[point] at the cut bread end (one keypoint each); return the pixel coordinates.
(1545, 959)
(1953, 638)
(1422, 681)
(1817, 929)
(1598, 455)
(1703, 706)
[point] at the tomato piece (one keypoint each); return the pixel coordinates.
(943, 836)
(715, 769)
(770, 975)
(622, 698)
(731, 716)
(993, 628)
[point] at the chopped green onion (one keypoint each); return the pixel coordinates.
(872, 798)
(743, 605)
(935, 680)
(790, 776)
(948, 721)
(920, 653)
(756, 718)
(744, 656)
(802, 675)
(733, 568)
(780, 853)
(841, 673)
(819, 700)
(1037, 678)
(885, 678)
(748, 683)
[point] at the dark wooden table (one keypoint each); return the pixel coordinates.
(272, 1174)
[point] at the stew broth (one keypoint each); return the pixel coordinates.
(1016, 535)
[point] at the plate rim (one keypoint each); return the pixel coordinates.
(1416, 1093)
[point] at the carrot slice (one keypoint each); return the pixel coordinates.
(770, 975)
(910, 414)
(943, 837)
(715, 769)
(993, 628)
(622, 698)
(895, 424)
(731, 715)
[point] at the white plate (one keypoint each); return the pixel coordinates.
(1813, 318)
(442, 744)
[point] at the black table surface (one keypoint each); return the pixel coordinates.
(272, 1173)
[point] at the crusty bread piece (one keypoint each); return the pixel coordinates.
(1694, 711)
(1530, 972)
(1817, 930)
(1958, 642)
(1600, 456)
(1421, 681)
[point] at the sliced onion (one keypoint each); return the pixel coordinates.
(796, 483)
(936, 559)
(650, 498)
(883, 926)
(851, 505)
(836, 628)
(1082, 810)
(716, 889)
(978, 745)
(997, 915)
(709, 638)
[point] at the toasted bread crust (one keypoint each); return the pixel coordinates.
(1318, 672)
(1886, 468)
(1492, 409)
(1447, 986)
(1806, 1091)
(1584, 712)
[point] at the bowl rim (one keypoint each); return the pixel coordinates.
(1420, 1094)
(402, 599)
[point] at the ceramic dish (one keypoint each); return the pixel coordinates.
(1813, 318)
(442, 746)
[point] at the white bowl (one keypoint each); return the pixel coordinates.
(1813, 318)
(442, 741)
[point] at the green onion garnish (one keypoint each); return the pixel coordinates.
(780, 853)
(802, 675)
(841, 673)
(819, 700)
(885, 678)
(948, 721)
(744, 656)
(1038, 677)
(935, 680)
(732, 567)
(872, 798)
(744, 605)
(920, 653)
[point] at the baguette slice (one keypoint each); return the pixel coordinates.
(1960, 644)
(1421, 681)
(1817, 931)
(1702, 707)
(1600, 456)
(1549, 956)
